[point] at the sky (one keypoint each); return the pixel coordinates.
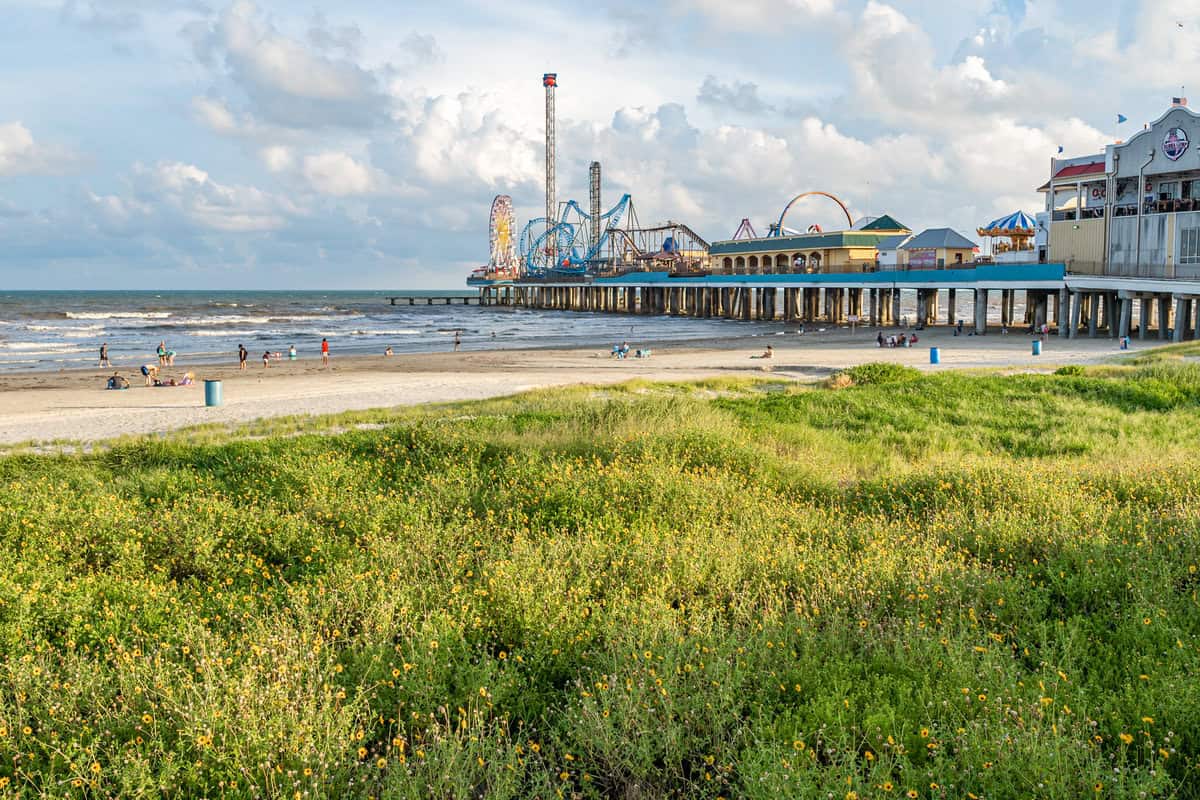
(257, 144)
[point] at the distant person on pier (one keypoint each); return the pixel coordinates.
(104, 355)
(324, 352)
(243, 353)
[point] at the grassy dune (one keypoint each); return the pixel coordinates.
(938, 587)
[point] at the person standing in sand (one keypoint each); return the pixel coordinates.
(324, 352)
(243, 353)
(266, 359)
(104, 355)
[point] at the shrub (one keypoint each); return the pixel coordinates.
(881, 372)
(1070, 369)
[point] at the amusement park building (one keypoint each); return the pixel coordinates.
(1133, 210)
(833, 251)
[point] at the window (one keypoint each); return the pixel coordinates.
(1168, 190)
(1189, 246)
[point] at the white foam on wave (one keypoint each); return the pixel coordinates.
(42, 347)
(118, 314)
(230, 332)
(397, 332)
(66, 330)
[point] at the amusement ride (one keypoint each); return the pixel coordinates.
(569, 242)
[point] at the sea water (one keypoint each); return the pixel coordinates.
(64, 329)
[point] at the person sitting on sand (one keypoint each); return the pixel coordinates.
(912, 340)
(902, 341)
(768, 353)
(117, 381)
(188, 379)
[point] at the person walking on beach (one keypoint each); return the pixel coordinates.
(324, 352)
(266, 359)
(457, 341)
(243, 353)
(104, 355)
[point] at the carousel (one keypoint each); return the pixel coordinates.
(1015, 232)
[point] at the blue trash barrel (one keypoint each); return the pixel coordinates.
(934, 356)
(212, 393)
(1037, 347)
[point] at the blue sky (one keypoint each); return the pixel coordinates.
(269, 144)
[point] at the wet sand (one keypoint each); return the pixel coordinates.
(72, 405)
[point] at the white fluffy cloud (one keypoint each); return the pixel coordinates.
(189, 192)
(287, 81)
(20, 154)
(337, 174)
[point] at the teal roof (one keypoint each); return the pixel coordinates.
(801, 243)
(885, 223)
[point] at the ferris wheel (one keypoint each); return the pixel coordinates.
(502, 239)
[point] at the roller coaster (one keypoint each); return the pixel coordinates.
(597, 244)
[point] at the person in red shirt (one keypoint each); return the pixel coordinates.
(324, 352)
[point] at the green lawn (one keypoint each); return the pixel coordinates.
(937, 586)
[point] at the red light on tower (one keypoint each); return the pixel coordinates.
(550, 79)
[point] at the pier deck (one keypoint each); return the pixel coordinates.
(1071, 303)
(465, 300)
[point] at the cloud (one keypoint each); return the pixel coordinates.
(190, 194)
(457, 140)
(736, 96)
(757, 15)
(346, 39)
(921, 94)
(417, 52)
(337, 174)
(21, 155)
(276, 158)
(287, 81)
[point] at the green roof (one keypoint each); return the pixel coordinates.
(800, 243)
(885, 223)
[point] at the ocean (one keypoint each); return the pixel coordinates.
(64, 329)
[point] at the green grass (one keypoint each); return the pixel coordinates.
(938, 584)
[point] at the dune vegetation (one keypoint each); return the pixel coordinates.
(895, 585)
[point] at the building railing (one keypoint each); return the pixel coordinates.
(1161, 271)
(1070, 214)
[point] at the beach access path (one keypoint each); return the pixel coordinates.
(72, 405)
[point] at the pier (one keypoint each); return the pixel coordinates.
(466, 300)
(1075, 305)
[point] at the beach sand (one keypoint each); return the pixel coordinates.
(41, 407)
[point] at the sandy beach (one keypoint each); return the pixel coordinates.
(41, 407)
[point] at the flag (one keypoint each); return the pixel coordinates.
(1060, 148)
(1179, 101)
(1121, 118)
